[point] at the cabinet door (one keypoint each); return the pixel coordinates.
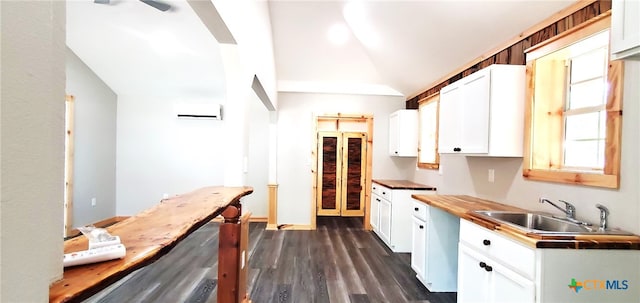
(385, 221)
(375, 206)
(507, 286)
(625, 36)
(403, 133)
(448, 129)
(394, 125)
(473, 280)
(419, 237)
(474, 113)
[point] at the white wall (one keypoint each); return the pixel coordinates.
(32, 148)
(295, 137)
(468, 175)
(258, 159)
(158, 153)
(95, 143)
(244, 29)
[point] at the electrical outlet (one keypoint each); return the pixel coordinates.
(93, 202)
(492, 175)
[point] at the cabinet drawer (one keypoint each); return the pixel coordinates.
(381, 191)
(511, 254)
(420, 210)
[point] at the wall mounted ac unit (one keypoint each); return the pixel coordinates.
(199, 111)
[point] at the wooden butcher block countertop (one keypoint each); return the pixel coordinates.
(464, 207)
(403, 184)
(147, 236)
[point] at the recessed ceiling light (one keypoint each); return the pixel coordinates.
(338, 34)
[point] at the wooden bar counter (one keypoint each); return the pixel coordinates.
(147, 236)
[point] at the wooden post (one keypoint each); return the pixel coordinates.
(272, 219)
(68, 163)
(232, 256)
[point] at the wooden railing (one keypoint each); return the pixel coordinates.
(232, 255)
(154, 232)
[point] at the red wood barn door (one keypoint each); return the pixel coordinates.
(341, 173)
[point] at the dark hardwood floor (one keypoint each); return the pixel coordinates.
(339, 262)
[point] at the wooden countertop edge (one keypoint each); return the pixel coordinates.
(57, 289)
(530, 239)
(403, 184)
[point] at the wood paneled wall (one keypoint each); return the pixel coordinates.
(514, 54)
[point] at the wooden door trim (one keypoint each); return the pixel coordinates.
(68, 164)
(366, 118)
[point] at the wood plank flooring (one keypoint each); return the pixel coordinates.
(338, 263)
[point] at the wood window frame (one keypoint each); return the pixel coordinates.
(610, 175)
(421, 103)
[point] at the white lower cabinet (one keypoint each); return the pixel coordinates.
(391, 215)
(495, 268)
(374, 218)
(384, 226)
(483, 279)
(434, 248)
(418, 245)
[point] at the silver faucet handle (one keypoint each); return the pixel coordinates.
(571, 210)
(604, 214)
(603, 209)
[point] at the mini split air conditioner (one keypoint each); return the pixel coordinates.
(199, 111)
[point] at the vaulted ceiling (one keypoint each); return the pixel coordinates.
(139, 50)
(401, 46)
(406, 45)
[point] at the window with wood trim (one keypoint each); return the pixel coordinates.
(428, 156)
(574, 109)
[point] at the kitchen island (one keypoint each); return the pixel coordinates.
(147, 236)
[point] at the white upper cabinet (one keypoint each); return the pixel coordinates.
(449, 130)
(625, 29)
(403, 133)
(474, 113)
(483, 114)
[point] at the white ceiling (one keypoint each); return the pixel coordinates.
(138, 50)
(420, 42)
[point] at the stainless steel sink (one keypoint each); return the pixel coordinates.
(542, 223)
